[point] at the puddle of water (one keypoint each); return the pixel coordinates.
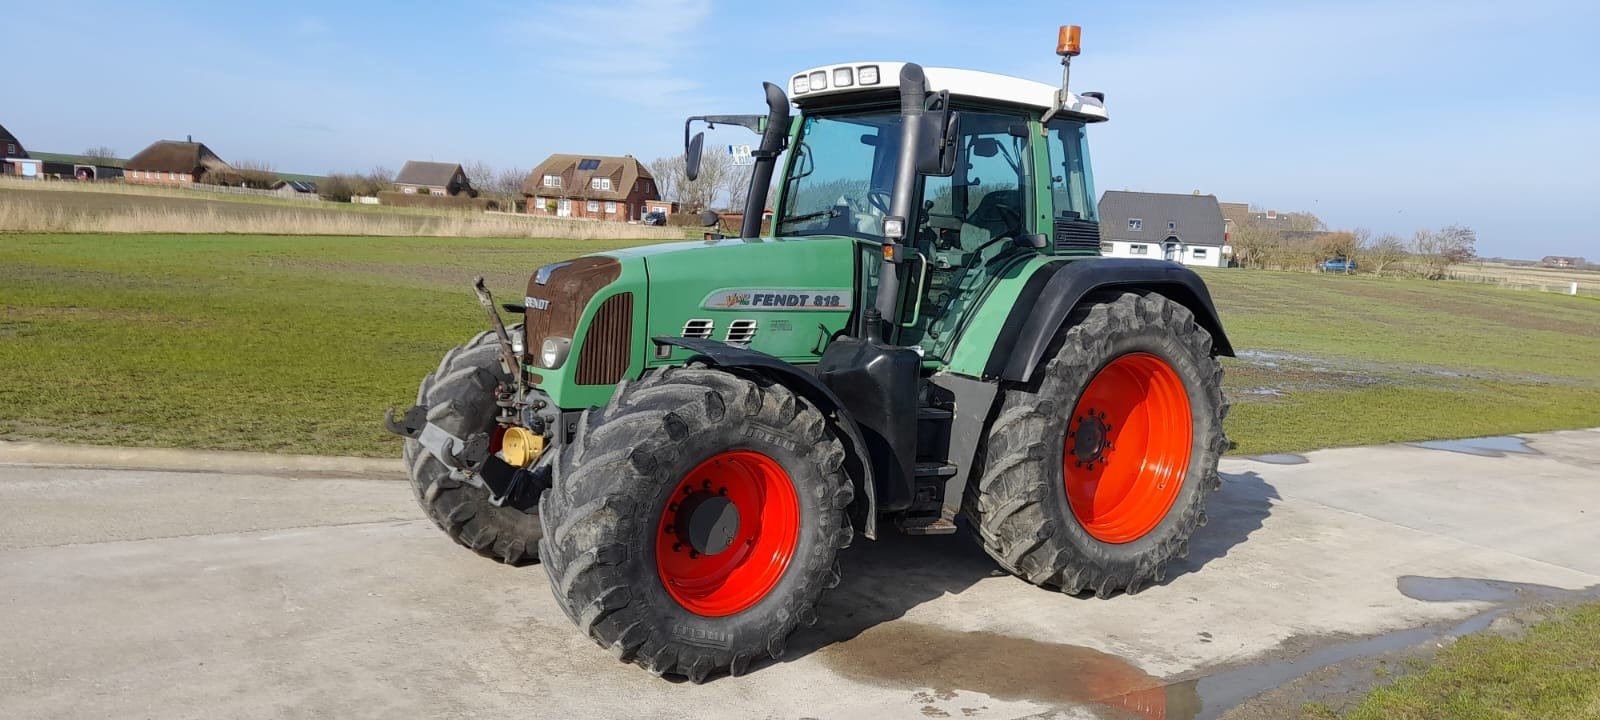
(1481, 447)
(1455, 589)
(912, 655)
(1280, 459)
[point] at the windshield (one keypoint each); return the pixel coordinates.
(841, 175)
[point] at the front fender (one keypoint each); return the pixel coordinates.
(1056, 289)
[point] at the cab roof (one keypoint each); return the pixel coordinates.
(843, 79)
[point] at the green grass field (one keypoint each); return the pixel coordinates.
(297, 344)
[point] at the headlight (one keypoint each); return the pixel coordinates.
(554, 351)
(519, 341)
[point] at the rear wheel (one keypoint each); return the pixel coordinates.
(1095, 474)
(460, 397)
(695, 520)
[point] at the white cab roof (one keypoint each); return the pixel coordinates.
(959, 82)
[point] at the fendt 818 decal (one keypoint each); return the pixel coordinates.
(778, 299)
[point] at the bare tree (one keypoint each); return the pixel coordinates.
(381, 174)
(502, 186)
(1460, 243)
(1383, 252)
(737, 185)
(666, 171)
(100, 155)
(699, 194)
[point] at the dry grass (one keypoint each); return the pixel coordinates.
(28, 214)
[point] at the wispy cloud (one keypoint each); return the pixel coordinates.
(635, 50)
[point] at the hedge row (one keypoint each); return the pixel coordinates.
(452, 202)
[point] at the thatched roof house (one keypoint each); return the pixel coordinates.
(593, 186)
(174, 161)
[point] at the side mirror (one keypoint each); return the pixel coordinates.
(940, 129)
(709, 218)
(691, 156)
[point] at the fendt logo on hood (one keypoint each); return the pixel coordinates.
(777, 299)
(534, 303)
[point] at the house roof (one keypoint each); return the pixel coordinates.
(577, 171)
(176, 156)
(6, 138)
(430, 174)
(300, 186)
(1195, 219)
(79, 159)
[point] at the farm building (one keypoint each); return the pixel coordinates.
(600, 187)
(1188, 229)
(173, 162)
(80, 167)
(418, 177)
(14, 159)
(1562, 261)
(295, 188)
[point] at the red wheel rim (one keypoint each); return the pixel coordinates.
(1127, 448)
(739, 576)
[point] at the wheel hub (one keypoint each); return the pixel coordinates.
(708, 522)
(1091, 440)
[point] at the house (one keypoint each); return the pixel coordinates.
(294, 188)
(14, 159)
(665, 207)
(80, 167)
(418, 177)
(173, 162)
(590, 186)
(1234, 216)
(1562, 261)
(1183, 228)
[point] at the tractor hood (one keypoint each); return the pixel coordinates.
(782, 297)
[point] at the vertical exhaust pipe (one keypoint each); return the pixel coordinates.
(773, 139)
(903, 201)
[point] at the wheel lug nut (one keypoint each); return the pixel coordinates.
(693, 554)
(676, 547)
(705, 484)
(722, 491)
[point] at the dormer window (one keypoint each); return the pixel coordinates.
(600, 183)
(1135, 224)
(552, 181)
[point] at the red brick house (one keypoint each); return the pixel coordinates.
(173, 162)
(590, 186)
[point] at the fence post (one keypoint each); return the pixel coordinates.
(1573, 290)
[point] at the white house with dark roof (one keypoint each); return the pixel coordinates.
(1187, 229)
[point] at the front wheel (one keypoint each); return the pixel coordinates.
(1095, 474)
(695, 519)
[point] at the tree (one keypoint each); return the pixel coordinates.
(1379, 254)
(737, 185)
(100, 155)
(502, 186)
(673, 182)
(1438, 250)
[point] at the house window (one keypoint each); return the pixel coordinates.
(1107, 248)
(1139, 249)
(409, 190)
(552, 181)
(594, 206)
(1199, 253)
(1171, 226)
(611, 208)
(587, 164)
(600, 183)
(1135, 224)
(11, 148)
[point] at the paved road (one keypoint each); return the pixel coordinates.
(200, 595)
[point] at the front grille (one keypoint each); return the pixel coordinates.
(1074, 234)
(741, 332)
(608, 345)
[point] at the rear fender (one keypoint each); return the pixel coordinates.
(858, 465)
(1050, 295)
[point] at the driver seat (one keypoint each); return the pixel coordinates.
(997, 215)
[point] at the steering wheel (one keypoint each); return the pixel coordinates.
(879, 199)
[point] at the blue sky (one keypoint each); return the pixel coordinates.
(1387, 115)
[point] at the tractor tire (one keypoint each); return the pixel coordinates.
(1094, 474)
(460, 399)
(629, 558)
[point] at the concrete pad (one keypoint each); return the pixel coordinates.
(276, 597)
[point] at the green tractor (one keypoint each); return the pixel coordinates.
(686, 434)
